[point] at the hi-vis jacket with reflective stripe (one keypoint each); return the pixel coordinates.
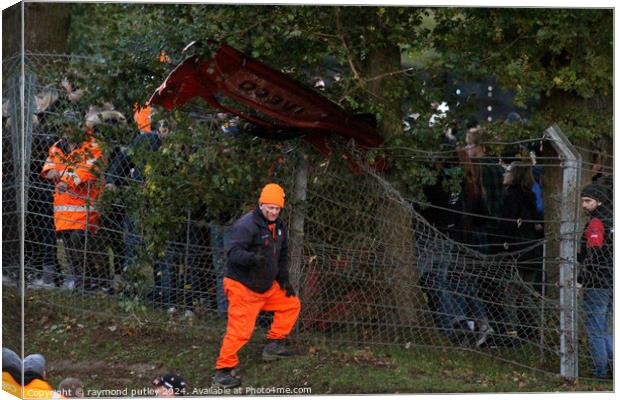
(39, 389)
(9, 384)
(75, 207)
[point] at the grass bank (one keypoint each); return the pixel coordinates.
(121, 354)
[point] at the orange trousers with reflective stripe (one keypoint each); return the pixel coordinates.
(243, 308)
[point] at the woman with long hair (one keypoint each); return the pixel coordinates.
(465, 279)
(518, 227)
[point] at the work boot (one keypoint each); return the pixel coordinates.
(485, 331)
(276, 349)
(224, 379)
(40, 284)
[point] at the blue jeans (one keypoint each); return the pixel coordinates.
(166, 271)
(467, 303)
(48, 253)
(132, 241)
(434, 259)
(598, 306)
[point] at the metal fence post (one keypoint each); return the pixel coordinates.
(187, 268)
(571, 174)
(87, 228)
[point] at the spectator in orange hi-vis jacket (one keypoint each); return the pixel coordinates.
(35, 379)
(257, 279)
(11, 372)
(142, 116)
(73, 165)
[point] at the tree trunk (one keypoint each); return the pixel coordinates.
(398, 238)
(384, 61)
(560, 100)
(11, 30)
(46, 28)
(297, 222)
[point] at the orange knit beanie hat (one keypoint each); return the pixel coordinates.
(272, 193)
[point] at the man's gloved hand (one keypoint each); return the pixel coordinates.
(259, 260)
(62, 187)
(288, 288)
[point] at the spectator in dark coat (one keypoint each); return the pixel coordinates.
(122, 171)
(491, 176)
(520, 237)
(518, 227)
(596, 258)
(42, 268)
(436, 255)
(471, 231)
(257, 278)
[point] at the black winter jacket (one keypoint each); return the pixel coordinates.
(519, 205)
(251, 235)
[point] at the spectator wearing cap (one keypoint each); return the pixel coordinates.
(11, 372)
(257, 278)
(71, 388)
(35, 379)
(596, 276)
(170, 385)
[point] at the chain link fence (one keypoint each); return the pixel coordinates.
(372, 266)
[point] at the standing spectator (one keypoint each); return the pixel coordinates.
(124, 169)
(596, 277)
(471, 231)
(40, 243)
(257, 279)
(73, 167)
(11, 253)
(435, 256)
(11, 372)
(491, 175)
(99, 120)
(520, 237)
(198, 280)
(170, 385)
(518, 226)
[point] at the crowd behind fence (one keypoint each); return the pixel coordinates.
(488, 265)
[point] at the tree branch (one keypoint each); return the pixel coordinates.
(388, 74)
(242, 32)
(356, 75)
(508, 46)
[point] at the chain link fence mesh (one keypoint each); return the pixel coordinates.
(371, 265)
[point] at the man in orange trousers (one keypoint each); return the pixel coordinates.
(257, 279)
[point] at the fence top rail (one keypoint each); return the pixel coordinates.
(561, 143)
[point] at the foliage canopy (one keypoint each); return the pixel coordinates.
(562, 58)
